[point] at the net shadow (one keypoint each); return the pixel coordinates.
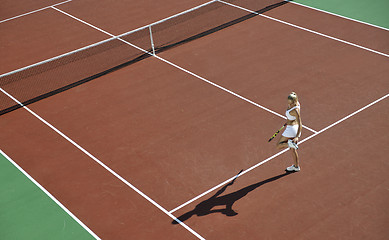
(161, 47)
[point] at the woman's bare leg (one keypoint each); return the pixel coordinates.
(282, 143)
(295, 157)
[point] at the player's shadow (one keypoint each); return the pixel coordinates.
(206, 207)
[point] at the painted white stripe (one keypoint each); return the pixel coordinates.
(50, 195)
(337, 15)
(228, 91)
(184, 12)
(277, 154)
(38, 10)
(168, 18)
(227, 181)
(213, 84)
(306, 29)
(86, 23)
(101, 163)
(345, 118)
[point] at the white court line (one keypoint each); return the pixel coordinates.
(168, 18)
(347, 117)
(214, 84)
(38, 10)
(102, 164)
(337, 15)
(86, 23)
(277, 154)
(226, 90)
(50, 195)
(306, 29)
(228, 180)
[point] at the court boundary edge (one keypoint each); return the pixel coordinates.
(83, 225)
(337, 15)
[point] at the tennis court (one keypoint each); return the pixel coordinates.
(131, 119)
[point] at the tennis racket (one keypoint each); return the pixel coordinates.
(237, 175)
(275, 134)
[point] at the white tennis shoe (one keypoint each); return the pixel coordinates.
(293, 169)
(292, 144)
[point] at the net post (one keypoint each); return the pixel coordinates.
(151, 39)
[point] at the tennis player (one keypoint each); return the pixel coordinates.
(292, 131)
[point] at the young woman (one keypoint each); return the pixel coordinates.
(292, 131)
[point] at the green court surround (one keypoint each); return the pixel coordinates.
(374, 12)
(26, 212)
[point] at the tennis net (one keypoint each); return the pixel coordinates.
(55, 75)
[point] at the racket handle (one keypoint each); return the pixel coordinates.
(275, 134)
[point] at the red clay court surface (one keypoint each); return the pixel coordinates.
(174, 136)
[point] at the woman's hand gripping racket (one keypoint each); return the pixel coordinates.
(275, 134)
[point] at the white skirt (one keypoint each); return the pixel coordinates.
(291, 131)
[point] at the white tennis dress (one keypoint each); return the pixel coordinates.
(291, 130)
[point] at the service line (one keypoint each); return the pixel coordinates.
(38, 10)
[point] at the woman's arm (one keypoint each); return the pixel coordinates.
(296, 113)
(298, 118)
